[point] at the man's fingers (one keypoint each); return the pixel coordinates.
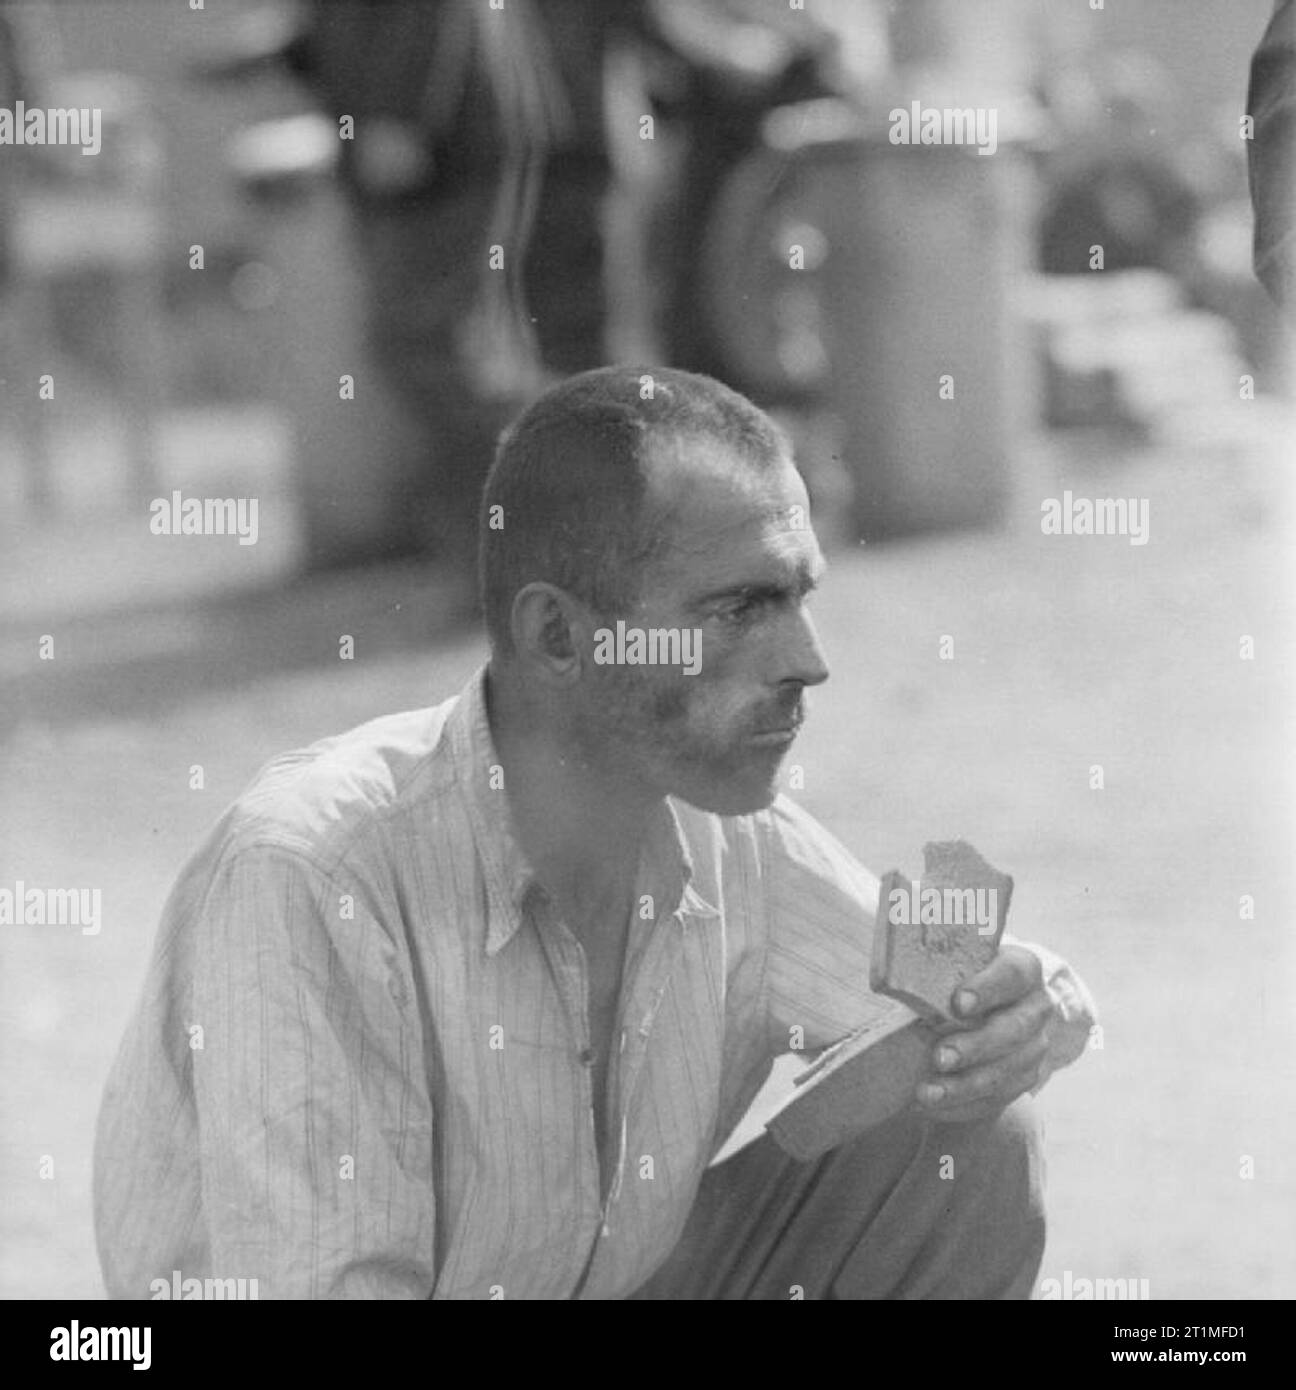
(999, 1036)
(983, 1067)
(1002, 1080)
(1013, 973)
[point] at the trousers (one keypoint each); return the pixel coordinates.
(913, 1209)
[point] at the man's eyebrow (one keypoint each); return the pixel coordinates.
(804, 580)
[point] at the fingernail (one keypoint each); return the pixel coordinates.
(929, 1094)
(966, 1001)
(946, 1057)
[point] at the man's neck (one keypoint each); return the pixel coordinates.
(581, 835)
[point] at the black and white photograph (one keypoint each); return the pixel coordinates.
(646, 653)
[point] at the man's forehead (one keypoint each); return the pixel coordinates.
(703, 492)
(736, 527)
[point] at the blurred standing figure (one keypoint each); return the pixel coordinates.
(1114, 179)
(1271, 155)
(477, 175)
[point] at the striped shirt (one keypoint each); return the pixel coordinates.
(361, 1067)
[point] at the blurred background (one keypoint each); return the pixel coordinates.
(276, 282)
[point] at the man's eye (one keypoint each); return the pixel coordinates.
(739, 612)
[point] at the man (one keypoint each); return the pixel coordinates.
(480, 990)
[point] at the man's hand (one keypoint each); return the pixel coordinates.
(999, 1051)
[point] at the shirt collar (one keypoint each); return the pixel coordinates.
(667, 860)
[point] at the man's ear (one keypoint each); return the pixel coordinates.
(548, 626)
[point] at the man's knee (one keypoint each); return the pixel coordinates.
(910, 1209)
(965, 1218)
(1003, 1197)
(1001, 1159)
(1012, 1144)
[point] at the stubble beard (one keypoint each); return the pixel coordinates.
(641, 733)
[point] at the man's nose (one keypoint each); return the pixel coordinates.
(802, 657)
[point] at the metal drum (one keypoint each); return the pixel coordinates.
(842, 270)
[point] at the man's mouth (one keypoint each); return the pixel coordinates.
(775, 737)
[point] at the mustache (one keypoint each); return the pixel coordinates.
(791, 716)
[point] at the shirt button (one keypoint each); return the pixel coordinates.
(587, 1056)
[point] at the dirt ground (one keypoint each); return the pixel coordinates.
(1068, 652)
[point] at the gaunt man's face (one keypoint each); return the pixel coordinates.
(741, 562)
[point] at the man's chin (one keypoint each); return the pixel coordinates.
(735, 796)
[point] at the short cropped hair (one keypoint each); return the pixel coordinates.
(570, 480)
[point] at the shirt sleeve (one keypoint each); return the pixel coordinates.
(1077, 1015)
(822, 909)
(315, 1133)
(822, 905)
